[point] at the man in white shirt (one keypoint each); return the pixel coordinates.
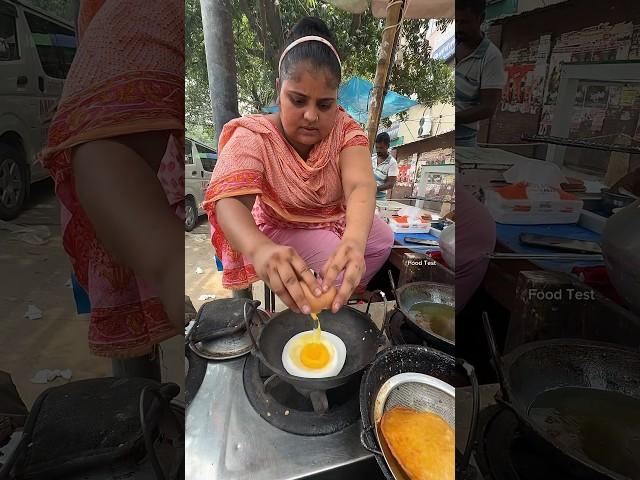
(385, 167)
(480, 74)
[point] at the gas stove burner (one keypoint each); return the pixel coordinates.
(224, 348)
(300, 413)
(401, 332)
(503, 453)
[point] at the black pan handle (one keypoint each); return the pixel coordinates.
(393, 285)
(475, 410)
(386, 313)
(365, 442)
(497, 361)
(248, 307)
(382, 295)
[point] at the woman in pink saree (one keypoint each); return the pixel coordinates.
(294, 191)
(115, 153)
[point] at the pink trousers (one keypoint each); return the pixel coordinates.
(475, 238)
(316, 246)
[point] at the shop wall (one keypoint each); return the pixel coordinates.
(406, 151)
(442, 117)
(518, 32)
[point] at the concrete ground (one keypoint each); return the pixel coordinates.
(39, 275)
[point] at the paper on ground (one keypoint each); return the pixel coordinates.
(33, 312)
(46, 375)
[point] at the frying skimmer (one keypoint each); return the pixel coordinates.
(419, 392)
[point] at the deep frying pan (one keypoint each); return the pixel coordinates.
(418, 359)
(359, 333)
(537, 367)
(410, 294)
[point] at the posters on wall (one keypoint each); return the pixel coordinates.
(407, 171)
(518, 91)
(634, 49)
(595, 44)
(599, 43)
(526, 69)
(438, 184)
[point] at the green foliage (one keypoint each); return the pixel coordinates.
(258, 45)
(198, 114)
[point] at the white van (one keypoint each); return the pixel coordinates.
(199, 161)
(36, 51)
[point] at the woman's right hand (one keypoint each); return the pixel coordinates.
(283, 270)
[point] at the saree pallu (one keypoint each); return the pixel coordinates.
(127, 77)
(255, 159)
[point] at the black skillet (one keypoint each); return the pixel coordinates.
(416, 292)
(537, 367)
(356, 329)
(419, 359)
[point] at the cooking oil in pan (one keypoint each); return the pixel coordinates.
(436, 317)
(600, 425)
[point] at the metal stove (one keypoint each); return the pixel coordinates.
(228, 439)
(400, 333)
(310, 413)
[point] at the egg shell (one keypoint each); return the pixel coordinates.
(323, 302)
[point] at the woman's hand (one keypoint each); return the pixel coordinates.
(283, 270)
(348, 257)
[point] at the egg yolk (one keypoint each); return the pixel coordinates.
(314, 355)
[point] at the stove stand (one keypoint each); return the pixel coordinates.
(502, 453)
(300, 412)
(401, 333)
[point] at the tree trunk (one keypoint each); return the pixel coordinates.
(221, 64)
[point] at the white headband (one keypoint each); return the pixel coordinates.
(310, 38)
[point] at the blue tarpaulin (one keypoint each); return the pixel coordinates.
(354, 97)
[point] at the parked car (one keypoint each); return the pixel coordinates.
(199, 161)
(36, 51)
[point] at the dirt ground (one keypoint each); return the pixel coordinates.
(39, 275)
(199, 254)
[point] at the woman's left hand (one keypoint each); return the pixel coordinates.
(348, 257)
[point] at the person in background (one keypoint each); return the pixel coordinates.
(480, 75)
(385, 167)
(480, 78)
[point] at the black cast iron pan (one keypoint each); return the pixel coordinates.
(538, 367)
(413, 293)
(359, 333)
(419, 359)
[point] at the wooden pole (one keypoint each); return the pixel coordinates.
(394, 9)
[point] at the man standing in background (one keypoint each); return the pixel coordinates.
(480, 74)
(385, 167)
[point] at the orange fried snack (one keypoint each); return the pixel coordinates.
(422, 443)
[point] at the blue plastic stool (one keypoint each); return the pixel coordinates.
(218, 264)
(83, 304)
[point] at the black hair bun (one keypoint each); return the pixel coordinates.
(311, 26)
